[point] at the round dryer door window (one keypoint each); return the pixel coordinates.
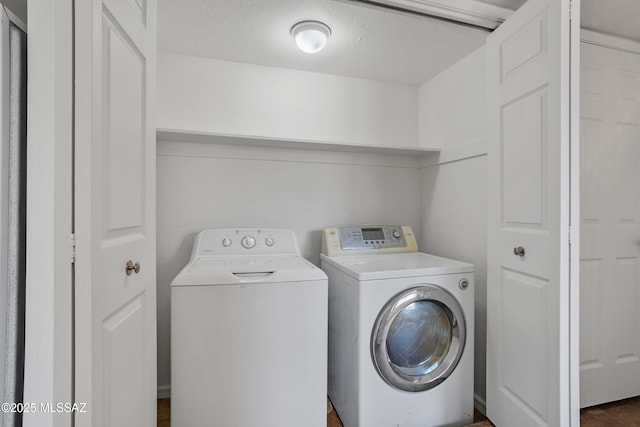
(418, 338)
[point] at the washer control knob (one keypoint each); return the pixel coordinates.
(248, 242)
(396, 234)
(464, 284)
(269, 241)
(226, 242)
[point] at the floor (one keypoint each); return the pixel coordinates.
(164, 416)
(625, 413)
(333, 420)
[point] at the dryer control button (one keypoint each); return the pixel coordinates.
(396, 234)
(269, 241)
(463, 284)
(226, 242)
(248, 242)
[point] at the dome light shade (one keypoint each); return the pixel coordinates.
(310, 36)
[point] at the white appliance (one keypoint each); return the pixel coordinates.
(400, 330)
(248, 333)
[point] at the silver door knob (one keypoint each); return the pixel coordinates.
(131, 268)
(518, 251)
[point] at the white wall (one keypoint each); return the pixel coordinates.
(454, 187)
(212, 96)
(452, 105)
(209, 185)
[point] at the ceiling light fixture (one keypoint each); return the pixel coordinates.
(311, 36)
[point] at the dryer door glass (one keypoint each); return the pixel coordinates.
(418, 338)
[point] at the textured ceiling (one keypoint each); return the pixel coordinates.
(366, 42)
(615, 17)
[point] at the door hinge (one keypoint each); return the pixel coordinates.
(72, 248)
(570, 10)
(570, 236)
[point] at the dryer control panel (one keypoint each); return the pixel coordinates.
(351, 240)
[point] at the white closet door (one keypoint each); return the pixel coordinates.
(610, 225)
(115, 324)
(528, 327)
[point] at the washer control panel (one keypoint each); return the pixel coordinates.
(242, 241)
(351, 240)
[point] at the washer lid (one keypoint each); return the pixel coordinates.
(387, 266)
(221, 270)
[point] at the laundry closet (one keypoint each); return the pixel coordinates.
(242, 144)
(273, 143)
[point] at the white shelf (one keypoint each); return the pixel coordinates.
(175, 135)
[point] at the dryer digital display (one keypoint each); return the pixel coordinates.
(372, 234)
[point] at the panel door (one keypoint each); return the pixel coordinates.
(115, 324)
(528, 325)
(610, 225)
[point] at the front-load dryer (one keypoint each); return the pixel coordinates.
(248, 333)
(400, 330)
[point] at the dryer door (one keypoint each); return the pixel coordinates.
(418, 338)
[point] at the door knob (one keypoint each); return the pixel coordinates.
(131, 268)
(518, 251)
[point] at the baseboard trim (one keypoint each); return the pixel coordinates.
(480, 404)
(164, 391)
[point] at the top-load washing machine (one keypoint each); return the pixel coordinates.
(248, 333)
(400, 330)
